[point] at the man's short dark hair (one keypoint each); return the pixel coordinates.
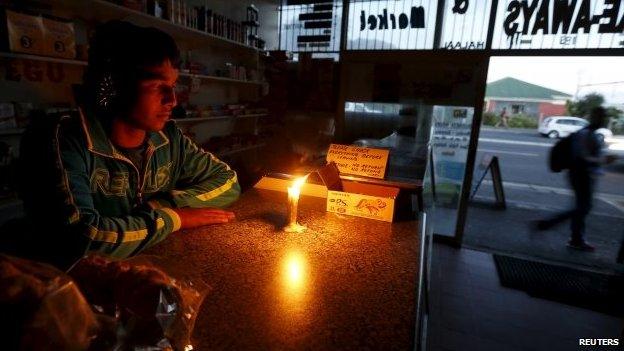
(123, 51)
(598, 117)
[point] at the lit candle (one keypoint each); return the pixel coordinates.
(293, 202)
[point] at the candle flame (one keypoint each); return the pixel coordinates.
(300, 181)
(295, 189)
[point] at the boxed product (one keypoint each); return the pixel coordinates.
(359, 199)
(7, 116)
(24, 33)
(59, 38)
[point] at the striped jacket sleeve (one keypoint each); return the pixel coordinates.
(117, 237)
(204, 180)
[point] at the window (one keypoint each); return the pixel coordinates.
(516, 109)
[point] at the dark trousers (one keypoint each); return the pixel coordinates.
(583, 185)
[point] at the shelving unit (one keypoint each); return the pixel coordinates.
(12, 131)
(216, 118)
(102, 10)
(220, 79)
(84, 63)
(16, 55)
(211, 50)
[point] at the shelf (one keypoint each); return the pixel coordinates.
(217, 118)
(253, 115)
(84, 63)
(102, 10)
(242, 149)
(221, 79)
(12, 131)
(17, 55)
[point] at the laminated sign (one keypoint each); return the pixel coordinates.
(360, 161)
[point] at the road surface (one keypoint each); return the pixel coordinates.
(523, 157)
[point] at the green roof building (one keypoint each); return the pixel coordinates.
(518, 97)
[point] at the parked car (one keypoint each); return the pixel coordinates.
(561, 126)
(615, 146)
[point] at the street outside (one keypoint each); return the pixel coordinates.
(534, 192)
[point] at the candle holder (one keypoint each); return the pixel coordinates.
(293, 204)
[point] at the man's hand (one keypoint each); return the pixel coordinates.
(197, 217)
(609, 159)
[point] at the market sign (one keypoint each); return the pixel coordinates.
(411, 24)
(559, 24)
(391, 25)
(361, 161)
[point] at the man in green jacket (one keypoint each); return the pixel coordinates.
(120, 176)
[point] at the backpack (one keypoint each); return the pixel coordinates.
(561, 156)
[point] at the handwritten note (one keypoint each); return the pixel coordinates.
(359, 160)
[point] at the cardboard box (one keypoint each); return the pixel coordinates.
(25, 33)
(358, 199)
(60, 39)
(363, 200)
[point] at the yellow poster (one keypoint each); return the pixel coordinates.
(360, 161)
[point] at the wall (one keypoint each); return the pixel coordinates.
(550, 109)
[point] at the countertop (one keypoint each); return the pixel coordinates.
(345, 283)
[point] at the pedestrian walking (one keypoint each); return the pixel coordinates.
(503, 119)
(584, 152)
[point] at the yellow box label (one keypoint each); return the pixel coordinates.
(360, 205)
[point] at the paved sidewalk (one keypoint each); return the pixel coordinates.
(511, 231)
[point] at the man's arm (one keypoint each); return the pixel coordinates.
(117, 237)
(204, 181)
(592, 151)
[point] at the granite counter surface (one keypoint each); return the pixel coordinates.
(345, 283)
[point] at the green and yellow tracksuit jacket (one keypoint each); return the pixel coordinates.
(94, 198)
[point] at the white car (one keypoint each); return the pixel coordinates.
(561, 126)
(615, 146)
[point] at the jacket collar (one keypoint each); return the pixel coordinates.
(99, 142)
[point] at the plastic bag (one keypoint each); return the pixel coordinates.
(153, 310)
(42, 308)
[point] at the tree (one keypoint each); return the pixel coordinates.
(583, 106)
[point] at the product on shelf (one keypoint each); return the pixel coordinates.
(59, 38)
(7, 116)
(25, 33)
(251, 28)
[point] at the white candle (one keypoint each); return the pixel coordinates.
(293, 202)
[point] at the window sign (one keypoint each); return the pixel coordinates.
(310, 25)
(465, 24)
(559, 24)
(391, 25)
(451, 137)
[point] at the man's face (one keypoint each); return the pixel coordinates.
(155, 98)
